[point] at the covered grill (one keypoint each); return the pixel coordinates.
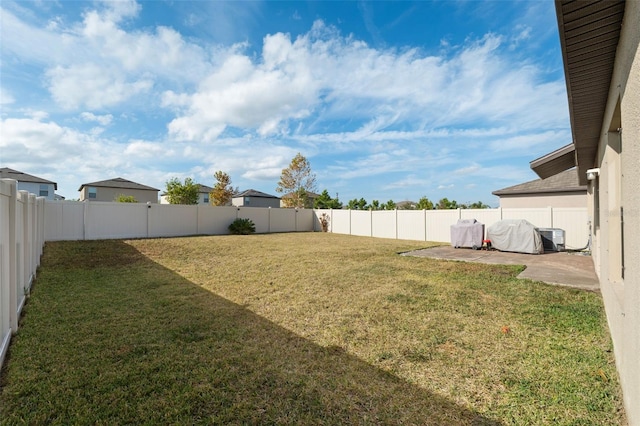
(467, 233)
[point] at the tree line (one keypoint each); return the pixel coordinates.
(298, 184)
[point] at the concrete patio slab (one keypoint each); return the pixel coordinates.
(574, 270)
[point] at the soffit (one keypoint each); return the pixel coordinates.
(555, 162)
(589, 34)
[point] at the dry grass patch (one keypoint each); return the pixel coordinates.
(309, 328)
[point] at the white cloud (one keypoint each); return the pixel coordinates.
(103, 120)
(147, 149)
(408, 182)
(93, 86)
(243, 95)
(324, 75)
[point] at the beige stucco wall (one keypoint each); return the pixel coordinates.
(558, 199)
(617, 243)
(110, 194)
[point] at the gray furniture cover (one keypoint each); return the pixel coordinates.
(517, 235)
(467, 233)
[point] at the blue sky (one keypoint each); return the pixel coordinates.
(387, 100)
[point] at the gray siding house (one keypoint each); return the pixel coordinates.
(109, 190)
(253, 198)
(33, 184)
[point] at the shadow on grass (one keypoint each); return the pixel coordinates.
(110, 336)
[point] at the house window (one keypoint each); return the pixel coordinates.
(247, 201)
(206, 199)
(93, 192)
(44, 190)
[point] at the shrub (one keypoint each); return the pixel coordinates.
(242, 227)
(324, 222)
(121, 198)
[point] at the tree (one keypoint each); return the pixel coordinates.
(476, 205)
(356, 204)
(375, 205)
(445, 204)
(389, 205)
(296, 181)
(424, 204)
(179, 193)
(222, 192)
(324, 201)
(121, 198)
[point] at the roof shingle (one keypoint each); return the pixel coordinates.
(566, 181)
(118, 183)
(7, 173)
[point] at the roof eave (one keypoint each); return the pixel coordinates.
(582, 27)
(554, 162)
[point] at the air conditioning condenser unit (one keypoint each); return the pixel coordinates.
(553, 239)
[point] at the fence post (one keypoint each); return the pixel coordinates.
(370, 223)
(550, 216)
(396, 223)
(34, 236)
(148, 219)
(269, 221)
(424, 220)
(13, 224)
(84, 219)
(24, 197)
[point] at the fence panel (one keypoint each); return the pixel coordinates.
(412, 225)
(282, 220)
(439, 224)
(361, 223)
(214, 220)
(64, 220)
(484, 216)
(306, 221)
(168, 220)
(259, 216)
(383, 224)
(540, 218)
(106, 220)
(340, 221)
(575, 222)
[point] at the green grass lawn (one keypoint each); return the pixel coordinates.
(307, 328)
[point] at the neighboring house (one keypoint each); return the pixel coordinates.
(33, 184)
(253, 198)
(600, 49)
(109, 190)
(406, 205)
(203, 195)
(561, 190)
(311, 196)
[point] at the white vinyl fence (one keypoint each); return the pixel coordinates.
(21, 242)
(435, 225)
(69, 220)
